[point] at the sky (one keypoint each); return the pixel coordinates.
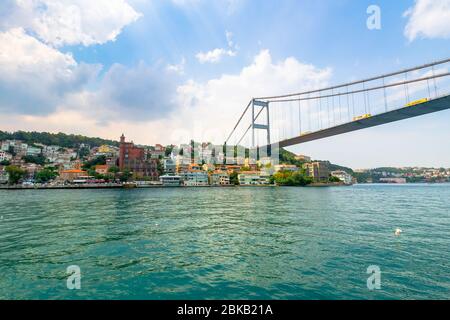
(168, 71)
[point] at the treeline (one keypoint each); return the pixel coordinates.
(59, 139)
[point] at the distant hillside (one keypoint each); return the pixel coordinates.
(60, 139)
(289, 157)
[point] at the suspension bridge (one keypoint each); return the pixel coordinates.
(296, 118)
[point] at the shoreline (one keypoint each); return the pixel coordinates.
(131, 187)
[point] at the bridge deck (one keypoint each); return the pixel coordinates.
(434, 105)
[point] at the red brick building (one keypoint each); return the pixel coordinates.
(133, 158)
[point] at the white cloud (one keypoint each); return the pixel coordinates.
(71, 22)
(205, 111)
(34, 77)
(214, 56)
(428, 19)
(219, 102)
(177, 68)
(217, 54)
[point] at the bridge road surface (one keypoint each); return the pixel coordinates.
(433, 105)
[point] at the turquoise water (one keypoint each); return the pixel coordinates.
(230, 243)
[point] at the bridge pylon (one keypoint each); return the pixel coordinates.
(263, 105)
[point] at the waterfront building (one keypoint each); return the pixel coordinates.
(253, 178)
(343, 176)
(170, 180)
(393, 180)
(318, 170)
(286, 167)
(133, 159)
(219, 178)
(71, 175)
(195, 178)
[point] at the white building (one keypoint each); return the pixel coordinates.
(33, 151)
(170, 181)
(219, 178)
(253, 178)
(5, 156)
(343, 176)
(18, 147)
(195, 178)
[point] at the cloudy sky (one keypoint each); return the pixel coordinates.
(165, 71)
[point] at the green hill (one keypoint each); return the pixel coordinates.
(59, 139)
(288, 157)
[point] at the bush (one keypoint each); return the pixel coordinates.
(289, 178)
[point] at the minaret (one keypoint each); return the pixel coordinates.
(122, 152)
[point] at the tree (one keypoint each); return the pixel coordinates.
(15, 174)
(83, 152)
(168, 150)
(114, 170)
(101, 160)
(160, 168)
(45, 175)
(12, 151)
(290, 178)
(39, 159)
(334, 179)
(5, 163)
(234, 179)
(126, 175)
(59, 139)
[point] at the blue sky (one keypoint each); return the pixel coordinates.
(162, 71)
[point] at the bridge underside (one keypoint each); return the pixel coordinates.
(431, 106)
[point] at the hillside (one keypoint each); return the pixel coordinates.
(60, 139)
(289, 158)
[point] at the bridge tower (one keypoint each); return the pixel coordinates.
(262, 105)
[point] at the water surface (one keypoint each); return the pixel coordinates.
(226, 243)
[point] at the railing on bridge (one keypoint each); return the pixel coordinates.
(271, 119)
